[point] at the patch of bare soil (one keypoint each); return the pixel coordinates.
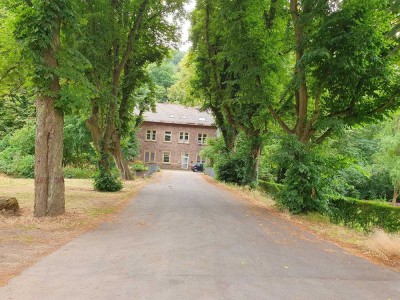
(378, 247)
(25, 239)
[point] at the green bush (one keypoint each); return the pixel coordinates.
(232, 169)
(307, 183)
(138, 166)
(271, 188)
(78, 149)
(365, 215)
(17, 152)
(25, 166)
(78, 172)
(106, 182)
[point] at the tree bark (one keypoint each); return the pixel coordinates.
(119, 159)
(302, 92)
(93, 125)
(256, 146)
(49, 177)
(395, 195)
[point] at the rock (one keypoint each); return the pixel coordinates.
(8, 204)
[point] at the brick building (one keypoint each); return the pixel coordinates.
(174, 135)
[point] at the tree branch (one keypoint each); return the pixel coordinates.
(8, 72)
(279, 120)
(270, 16)
(324, 136)
(132, 36)
(29, 2)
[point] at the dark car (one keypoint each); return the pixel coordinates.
(198, 167)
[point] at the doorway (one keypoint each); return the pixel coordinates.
(185, 161)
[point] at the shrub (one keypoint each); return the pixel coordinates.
(138, 166)
(78, 172)
(232, 169)
(271, 188)
(77, 142)
(232, 166)
(307, 183)
(365, 215)
(25, 166)
(107, 182)
(17, 150)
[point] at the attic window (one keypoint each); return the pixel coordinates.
(171, 116)
(202, 119)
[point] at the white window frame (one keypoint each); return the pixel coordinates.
(150, 161)
(169, 157)
(153, 135)
(170, 136)
(184, 134)
(201, 160)
(202, 138)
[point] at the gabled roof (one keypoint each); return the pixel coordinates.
(178, 114)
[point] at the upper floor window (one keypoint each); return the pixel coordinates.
(167, 136)
(184, 137)
(151, 135)
(201, 138)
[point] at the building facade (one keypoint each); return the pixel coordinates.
(174, 136)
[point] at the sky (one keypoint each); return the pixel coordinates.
(185, 44)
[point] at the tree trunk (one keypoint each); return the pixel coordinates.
(302, 132)
(49, 177)
(93, 125)
(255, 153)
(119, 159)
(395, 195)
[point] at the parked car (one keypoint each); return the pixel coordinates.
(198, 167)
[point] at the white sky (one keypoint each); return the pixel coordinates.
(185, 44)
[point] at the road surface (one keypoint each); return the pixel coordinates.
(184, 238)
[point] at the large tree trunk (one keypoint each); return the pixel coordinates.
(256, 146)
(395, 195)
(93, 125)
(49, 177)
(119, 159)
(301, 94)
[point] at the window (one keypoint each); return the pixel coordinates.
(151, 135)
(201, 138)
(166, 157)
(149, 156)
(184, 137)
(167, 136)
(200, 159)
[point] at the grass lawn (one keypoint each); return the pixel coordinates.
(24, 239)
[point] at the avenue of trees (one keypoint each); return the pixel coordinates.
(85, 62)
(305, 93)
(297, 78)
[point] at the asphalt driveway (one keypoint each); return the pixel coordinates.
(183, 238)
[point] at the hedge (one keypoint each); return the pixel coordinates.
(270, 187)
(364, 215)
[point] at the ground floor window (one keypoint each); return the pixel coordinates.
(149, 156)
(200, 159)
(166, 157)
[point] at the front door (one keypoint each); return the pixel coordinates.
(185, 161)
